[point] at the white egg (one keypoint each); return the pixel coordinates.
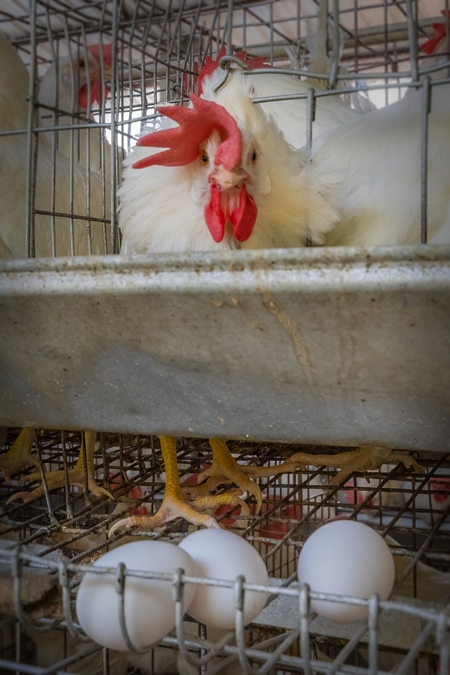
(220, 554)
(149, 605)
(345, 557)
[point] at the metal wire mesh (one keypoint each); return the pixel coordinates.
(157, 51)
(412, 511)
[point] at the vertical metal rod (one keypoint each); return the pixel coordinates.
(230, 27)
(54, 123)
(386, 50)
(71, 143)
(447, 34)
(374, 610)
(87, 132)
(334, 70)
(443, 642)
(426, 109)
(30, 243)
(51, 513)
(114, 70)
(355, 14)
(18, 631)
(304, 627)
(69, 508)
(444, 659)
(121, 571)
(203, 633)
(310, 118)
(412, 42)
(271, 34)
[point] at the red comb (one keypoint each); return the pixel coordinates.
(210, 65)
(195, 125)
(98, 93)
(430, 45)
(254, 61)
(137, 492)
(208, 68)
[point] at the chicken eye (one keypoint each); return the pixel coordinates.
(254, 156)
(204, 159)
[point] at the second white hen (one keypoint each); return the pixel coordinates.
(59, 224)
(290, 114)
(71, 231)
(69, 87)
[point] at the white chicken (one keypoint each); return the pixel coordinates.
(70, 232)
(60, 188)
(289, 114)
(234, 171)
(241, 185)
(72, 84)
(254, 207)
(377, 162)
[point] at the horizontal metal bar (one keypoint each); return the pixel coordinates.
(343, 346)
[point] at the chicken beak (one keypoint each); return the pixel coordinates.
(227, 180)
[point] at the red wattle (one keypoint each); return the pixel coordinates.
(243, 217)
(214, 216)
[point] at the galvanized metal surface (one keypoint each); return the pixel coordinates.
(396, 629)
(342, 346)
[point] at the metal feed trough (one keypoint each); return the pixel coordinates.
(344, 346)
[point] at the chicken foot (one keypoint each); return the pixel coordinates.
(224, 467)
(19, 455)
(76, 476)
(364, 458)
(175, 503)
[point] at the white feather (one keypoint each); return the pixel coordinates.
(377, 161)
(162, 208)
(362, 187)
(291, 115)
(13, 180)
(59, 90)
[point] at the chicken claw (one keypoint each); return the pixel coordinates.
(362, 459)
(176, 507)
(225, 467)
(175, 503)
(57, 479)
(172, 507)
(19, 455)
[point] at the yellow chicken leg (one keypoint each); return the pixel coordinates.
(19, 455)
(175, 504)
(363, 459)
(57, 479)
(224, 466)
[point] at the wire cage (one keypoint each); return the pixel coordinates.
(144, 53)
